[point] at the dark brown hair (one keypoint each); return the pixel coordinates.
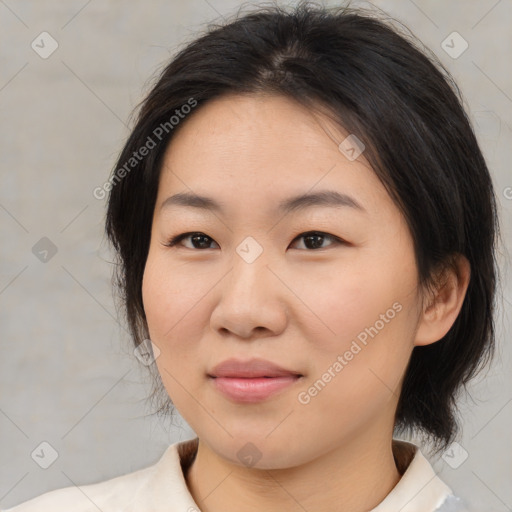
(381, 85)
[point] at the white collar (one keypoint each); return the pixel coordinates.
(418, 490)
(162, 486)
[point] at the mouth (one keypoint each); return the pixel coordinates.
(253, 368)
(253, 389)
(253, 380)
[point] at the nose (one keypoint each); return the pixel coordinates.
(251, 301)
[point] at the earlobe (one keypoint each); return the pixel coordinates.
(441, 311)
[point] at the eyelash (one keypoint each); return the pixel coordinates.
(175, 240)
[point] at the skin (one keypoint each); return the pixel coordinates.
(295, 305)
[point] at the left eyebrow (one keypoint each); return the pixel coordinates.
(327, 198)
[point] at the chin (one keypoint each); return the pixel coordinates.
(257, 451)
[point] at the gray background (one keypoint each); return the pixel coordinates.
(68, 375)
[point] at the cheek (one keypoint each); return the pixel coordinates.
(358, 377)
(367, 318)
(343, 302)
(173, 307)
(172, 303)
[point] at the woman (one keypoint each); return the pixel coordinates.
(306, 232)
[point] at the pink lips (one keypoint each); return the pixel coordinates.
(251, 381)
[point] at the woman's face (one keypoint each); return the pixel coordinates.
(339, 308)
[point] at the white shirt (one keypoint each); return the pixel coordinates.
(162, 488)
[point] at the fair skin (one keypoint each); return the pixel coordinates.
(296, 305)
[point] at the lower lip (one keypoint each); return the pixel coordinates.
(253, 389)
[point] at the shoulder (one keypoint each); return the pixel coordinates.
(452, 504)
(103, 496)
(140, 490)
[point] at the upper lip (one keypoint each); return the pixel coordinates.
(251, 368)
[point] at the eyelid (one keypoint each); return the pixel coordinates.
(174, 241)
(178, 238)
(335, 240)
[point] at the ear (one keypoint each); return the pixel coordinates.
(444, 305)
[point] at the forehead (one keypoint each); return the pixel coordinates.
(261, 149)
(250, 121)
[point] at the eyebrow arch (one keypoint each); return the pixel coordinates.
(329, 198)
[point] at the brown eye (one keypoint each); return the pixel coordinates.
(314, 239)
(198, 240)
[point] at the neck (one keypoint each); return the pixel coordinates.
(355, 476)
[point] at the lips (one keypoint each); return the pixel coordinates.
(251, 381)
(253, 368)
